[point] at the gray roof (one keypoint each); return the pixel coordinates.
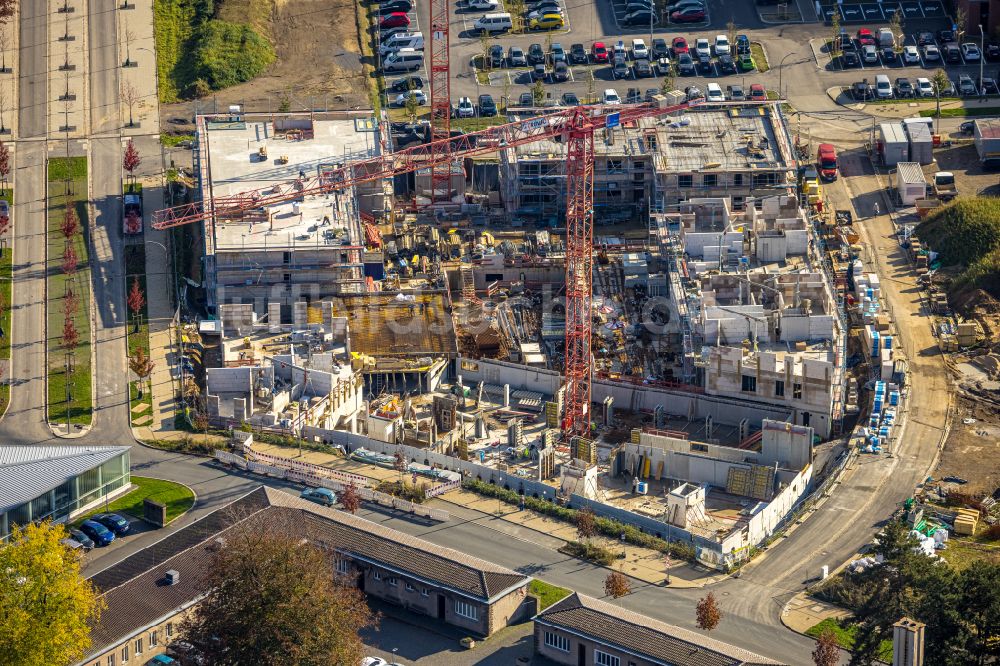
(29, 471)
(659, 642)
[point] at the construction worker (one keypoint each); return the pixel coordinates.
(876, 209)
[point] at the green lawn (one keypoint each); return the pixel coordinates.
(135, 269)
(77, 382)
(6, 277)
(963, 111)
(176, 497)
(759, 58)
(476, 124)
(171, 140)
(845, 634)
(547, 593)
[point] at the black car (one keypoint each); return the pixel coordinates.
(515, 57)
(578, 54)
(952, 54)
(113, 522)
(642, 69)
(850, 59)
(81, 539)
(993, 52)
(560, 72)
(407, 83)
(496, 56)
(659, 48)
(640, 17)
(726, 64)
(889, 55)
(987, 86)
(487, 107)
(538, 72)
(861, 90)
(570, 99)
(925, 38)
(685, 65)
(404, 6)
(526, 99)
(903, 87)
(536, 54)
(639, 6)
(633, 96)
(945, 36)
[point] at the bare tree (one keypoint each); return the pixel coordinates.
(129, 96)
(586, 525)
(129, 37)
(4, 45)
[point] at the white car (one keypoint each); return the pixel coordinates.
(418, 94)
(611, 96)
(722, 45)
(374, 661)
(639, 50)
(925, 88)
(910, 55)
(465, 108)
(484, 5)
(715, 93)
(703, 50)
(971, 52)
(932, 53)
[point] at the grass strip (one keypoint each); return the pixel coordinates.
(178, 499)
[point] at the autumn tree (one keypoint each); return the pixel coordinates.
(70, 336)
(7, 10)
(399, 464)
(586, 524)
(136, 300)
(70, 302)
(707, 614)
(4, 164)
(350, 500)
(46, 605)
(617, 585)
(273, 599)
(69, 260)
(131, 160)
(70, 224)
(827, 651)
(142, 366)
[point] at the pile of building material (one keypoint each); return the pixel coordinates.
(966, 521)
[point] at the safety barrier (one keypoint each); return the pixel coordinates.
(298, 465)
(443, 488)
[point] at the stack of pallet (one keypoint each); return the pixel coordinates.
(966, 521)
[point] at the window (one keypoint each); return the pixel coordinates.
(376, 575)
(605, 659)
(779, 389)
(614, 166)
(710, 180)
(425, 592)
(170, 629)
(797, 391)
(749, 384)
(138, 646)
(738, 180)
(154, 640)
(410, 588)
(392, 580)
(556, 641)
(466, 610)
(125, 653)
(111, 659)
(343, 566)
(685, 181)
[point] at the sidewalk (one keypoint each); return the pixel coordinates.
(802, 613)
(640, 563)
(68, 92)
(137, 45)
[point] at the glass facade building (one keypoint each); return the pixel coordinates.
(80, 483)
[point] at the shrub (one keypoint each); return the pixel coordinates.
(589, 552)
(226, 53)
(403, 490)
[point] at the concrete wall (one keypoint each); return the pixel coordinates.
(790, 446)
(518, 376)
(763, 523)
(684, 465)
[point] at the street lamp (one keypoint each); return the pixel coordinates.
(982, 56)
(781, 70)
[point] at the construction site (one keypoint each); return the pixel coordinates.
(669, 355)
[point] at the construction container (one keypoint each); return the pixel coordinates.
(910, 183)
(893, 145)
(921, 143)
(986, 135)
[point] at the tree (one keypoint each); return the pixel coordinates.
(69, 260)
(411, 105)
(129, 37)
(70, 224)
(131, 159)
(941, 82)
(827, 652)
(835, 30)
(46, 605)
(70, 336)
(961, 22)
(586, 524)
(142, 366)
(350, 499)
(896, 26)
(731, 34)
(130, 97)
(4, 164)
(399, 464)
(273, 599)
(707, 613)
(4, 45)
(538, 93)
(70, 301)
(979, 604)
(668, 79)
(617, 585)
(136, 301)
(7, 11)
(484, 43)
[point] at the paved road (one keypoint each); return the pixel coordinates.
(33, 70)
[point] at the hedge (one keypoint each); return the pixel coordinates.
(605, 526)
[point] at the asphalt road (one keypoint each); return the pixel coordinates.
(32, 70)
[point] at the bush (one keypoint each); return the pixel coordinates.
(403, 490)
(589, 552)
(966, 233)
(226, 54)
(607, 527)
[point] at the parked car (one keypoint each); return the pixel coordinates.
(861, 90)
(557, 53)
(903, 87)
(526, 99)
(162, 660)
(966, 86)
(865, 37)
(100, 534)
(417, 94)
(932, 53)
(826, 160)
(883, 87)
(945, 36)
(81, 538)
(659, 48)
(640, 17)
(987, 86)
(910, 55)
(536, 54)
(702, 49)
(483, 5)
(395, 20)
(993, 52)
(684, 4)
(735, 93)
(546, 22)
(924, 87)
(570, 99)
(465, 108)
(692, 15)
(578, 54)
(113, 522)
(611, 96)
(746, 63)
(952, 54)
(850, 58)
(685, 65)
(560, 72)
(496, 56)
(538, 72)
(869, 54)
(639, 49)
(325, 496)
(715, 93)
(742, 44)
(516, 58)
(487, 107)
(925, 38)
(971, 52)
(406, 83)
(642, 68)
(620, 70)
(757, 92)
(548, 7)
(888, 55)
(395, 6)
(599, 52)
(726, 65)
(721, 46)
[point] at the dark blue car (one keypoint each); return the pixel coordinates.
(113, 522)
(101, 535)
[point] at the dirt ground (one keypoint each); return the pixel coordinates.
(972, 450)
(318, 63)
(971, 178)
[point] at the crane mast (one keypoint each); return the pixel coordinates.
(440, 102)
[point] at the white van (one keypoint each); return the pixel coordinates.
(493, 23)
(714, 93)
(403, 60)
(883, 87)
(402, 40)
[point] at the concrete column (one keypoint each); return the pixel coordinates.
(506, 395)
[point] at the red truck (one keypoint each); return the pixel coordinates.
(826, 160)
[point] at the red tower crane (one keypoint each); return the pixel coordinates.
(440, 99)
(574, 127)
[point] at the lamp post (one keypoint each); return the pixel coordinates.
(781, 70)
(982, 56)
